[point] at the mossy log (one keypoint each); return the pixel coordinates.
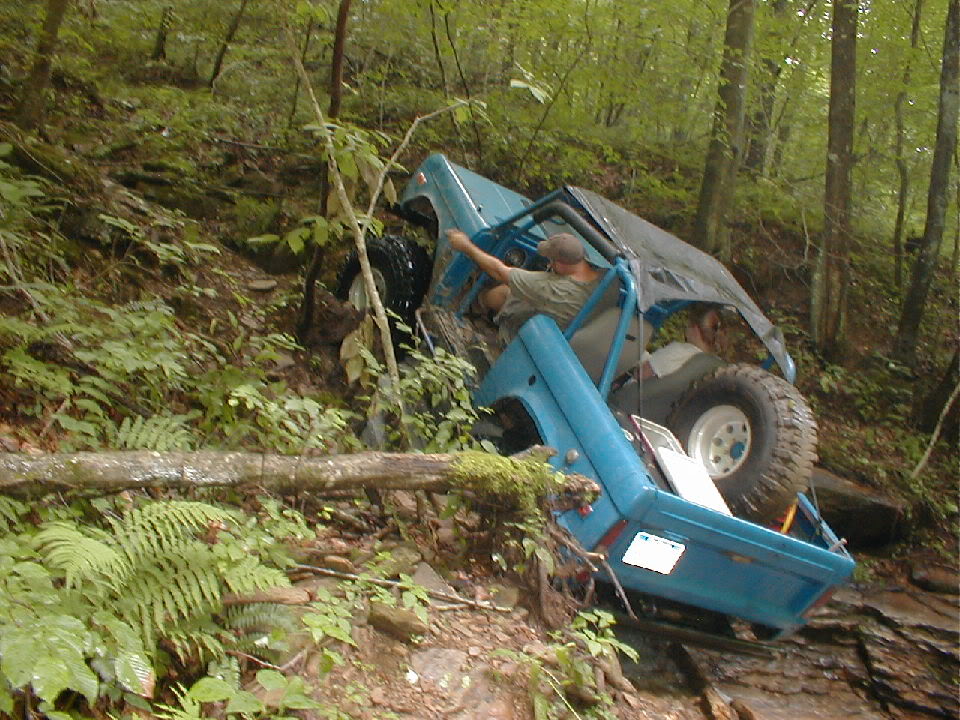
(106, 472)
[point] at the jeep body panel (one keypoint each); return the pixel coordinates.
(728, 565)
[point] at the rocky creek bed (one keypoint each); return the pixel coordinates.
(875, 652)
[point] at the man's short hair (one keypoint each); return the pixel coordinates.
(562, 247)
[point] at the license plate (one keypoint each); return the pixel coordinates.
(652, 552)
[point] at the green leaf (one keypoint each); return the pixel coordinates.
(296, 239)
(211, 689)
(546, 558)
(262, 240)
(50, 677)
(6, 699)
(245, 703)
(135, 673)
(271, 680)
(539, 94)
(299, 701)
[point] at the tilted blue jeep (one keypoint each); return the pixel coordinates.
(660, 449)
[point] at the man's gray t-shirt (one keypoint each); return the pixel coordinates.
(532, 292)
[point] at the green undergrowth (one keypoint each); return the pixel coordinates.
(102, 600)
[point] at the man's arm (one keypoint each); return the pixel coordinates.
(491, 265)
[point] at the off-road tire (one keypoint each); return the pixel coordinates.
(401, 269)
(771, 422)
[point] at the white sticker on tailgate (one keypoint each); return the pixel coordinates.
(653, 553)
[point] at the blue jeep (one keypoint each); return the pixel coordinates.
(660, 451)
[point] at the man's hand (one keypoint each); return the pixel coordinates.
(458, 240)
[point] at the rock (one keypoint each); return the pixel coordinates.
(715, 707)
(428, 578)
(440, 667)
(402, 559)
(338, 563)
(252, 321)
(397, 622)
(265, 285)
(504, 595)
(283, 361)
(860, 514)
(936, 578)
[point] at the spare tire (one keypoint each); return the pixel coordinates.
(755, 435)
(401, 272)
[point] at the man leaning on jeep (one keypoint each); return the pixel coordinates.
(520, 294)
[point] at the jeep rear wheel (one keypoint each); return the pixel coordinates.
(755, 435)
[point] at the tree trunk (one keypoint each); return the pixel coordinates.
(831, 280)
(307, 37)
(931, 407)
(160, 41)
(110, 472)
(724, 153)
(905, 348)
(222, 53)
(305, 322)
(29, 113)
(760, 122)
(901, 161)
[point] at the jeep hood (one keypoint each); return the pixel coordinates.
(666, 268)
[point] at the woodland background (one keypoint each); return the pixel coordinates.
(159, 160)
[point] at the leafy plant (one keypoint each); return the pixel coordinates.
(291, 693)
(562, 676)
(86, 607)
(330, 620)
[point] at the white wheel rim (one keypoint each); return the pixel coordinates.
(720, 440)
(357, 294)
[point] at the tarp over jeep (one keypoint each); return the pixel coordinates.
(667, 268)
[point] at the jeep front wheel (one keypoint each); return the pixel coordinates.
(400, 269)
(755, 435)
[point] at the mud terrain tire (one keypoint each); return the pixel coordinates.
(754, 433)
(401, 271)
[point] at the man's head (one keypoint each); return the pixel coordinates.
(562, 248)
(703, 326)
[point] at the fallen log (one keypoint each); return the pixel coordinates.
(108, 472)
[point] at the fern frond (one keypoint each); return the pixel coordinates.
(248, 575)
(159, 432)
(201, 638)
(256, 617)
(154, 529)
(81, 558)
(10, 513)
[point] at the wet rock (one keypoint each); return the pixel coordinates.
(401, 559)
(431, 580)
(506, 596)
(397, 622)
(936, 578)
(265, 285)
(338, 563)
(873, 652)
(440, 667)
(860, 514)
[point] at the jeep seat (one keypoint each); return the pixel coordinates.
(654, 397)
(592, 342)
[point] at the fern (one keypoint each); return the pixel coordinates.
(258, 627)
(159, 432)
(10, 513)
(82, 559)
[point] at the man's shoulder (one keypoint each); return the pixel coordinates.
(519, 277)
(670, 357)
